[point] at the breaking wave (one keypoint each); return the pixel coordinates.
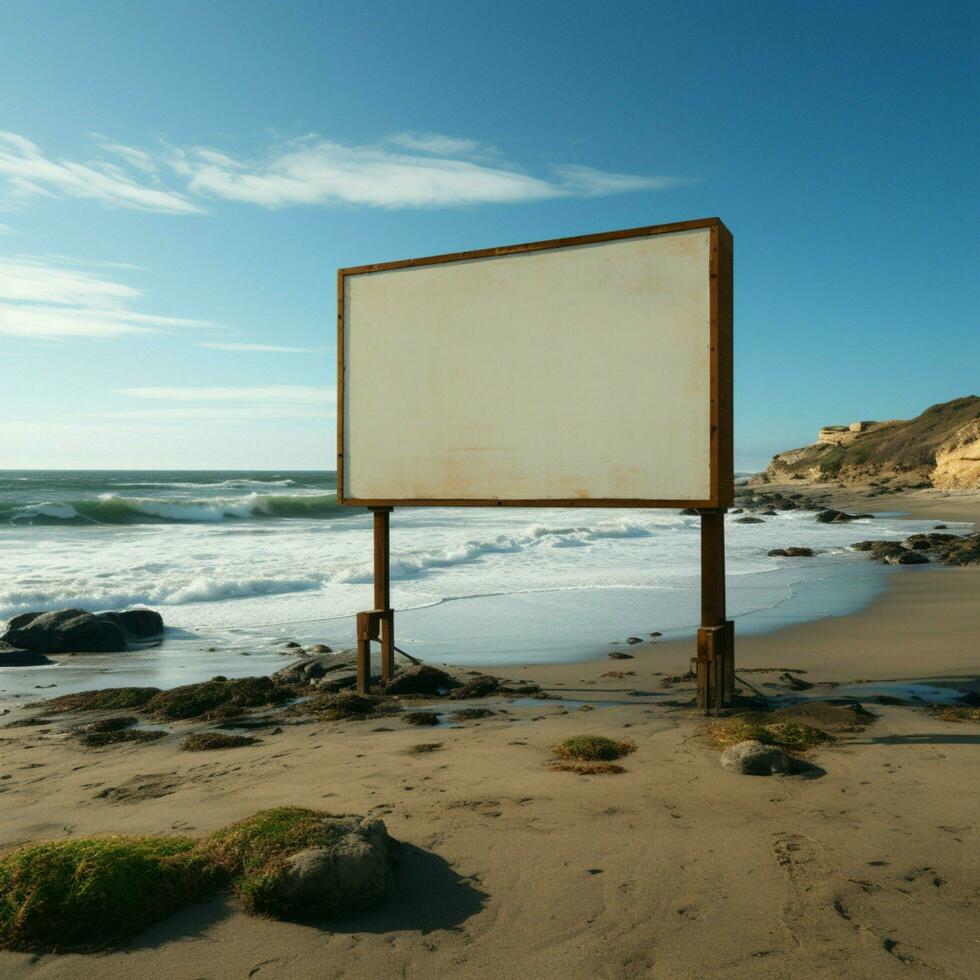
(110, 508)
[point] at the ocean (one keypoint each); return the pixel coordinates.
(239, 562)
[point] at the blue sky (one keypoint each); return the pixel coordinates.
(179, 182)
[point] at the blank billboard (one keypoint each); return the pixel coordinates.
(593, 371)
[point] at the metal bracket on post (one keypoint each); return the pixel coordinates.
(716, 637)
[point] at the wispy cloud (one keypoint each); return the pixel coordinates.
(403, 170)
(7, 230)
(435, 143)
(42, 299)
(30, 172)
(265, 348)
(308, 394)
(316, 171)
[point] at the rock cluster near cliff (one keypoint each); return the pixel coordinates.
(940, 448)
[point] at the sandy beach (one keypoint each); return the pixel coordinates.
(865, 866)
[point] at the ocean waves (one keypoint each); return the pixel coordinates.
(112, 508)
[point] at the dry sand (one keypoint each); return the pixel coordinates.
(675, 868)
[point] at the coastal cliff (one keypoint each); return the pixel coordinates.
(939, 448)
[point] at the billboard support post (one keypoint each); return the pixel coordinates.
(716, 637)
(378, 623)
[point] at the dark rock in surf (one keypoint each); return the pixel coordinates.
(12, 657)
(78, 631)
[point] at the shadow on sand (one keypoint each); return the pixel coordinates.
(428, 895)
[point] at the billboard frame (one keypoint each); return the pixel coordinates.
(714, 666)
(720, 285)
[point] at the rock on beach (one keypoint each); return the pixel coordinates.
(78, 631)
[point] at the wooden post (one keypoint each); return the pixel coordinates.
(382, 590)
(716, 646)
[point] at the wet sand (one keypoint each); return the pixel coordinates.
(868, 867)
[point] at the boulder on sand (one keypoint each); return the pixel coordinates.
(352, 873)
(752, 758)
(420, 679)
(78, 631)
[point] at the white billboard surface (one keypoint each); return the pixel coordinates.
(575, 374)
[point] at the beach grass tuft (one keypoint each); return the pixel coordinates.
(423, 748)
(91, 893)
(768, 728)
(957, 712)
(592, 748)
(205, 741)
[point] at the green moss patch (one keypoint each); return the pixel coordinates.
(592, 748)
(90, 893)
(110, 699)
(205, 741)
(197, 700)
(768, 728)
(253, 852)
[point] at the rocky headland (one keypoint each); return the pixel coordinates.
(939, 448)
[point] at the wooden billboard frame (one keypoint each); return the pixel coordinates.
(715, 659)
(720, 384)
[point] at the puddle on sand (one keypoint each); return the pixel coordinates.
(914, 693)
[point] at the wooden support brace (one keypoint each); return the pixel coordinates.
(375, 624)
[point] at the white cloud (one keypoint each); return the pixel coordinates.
(319, 171)
(31, 172)
(7, 230)
(435, 143)
(266, 348)
(308, 394)
(405, 170)
(40, 299)
(587, 182)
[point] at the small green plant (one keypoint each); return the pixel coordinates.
(89, 893)
(205, 741)
(593, 748)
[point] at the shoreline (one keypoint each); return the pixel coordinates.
(864, 865)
